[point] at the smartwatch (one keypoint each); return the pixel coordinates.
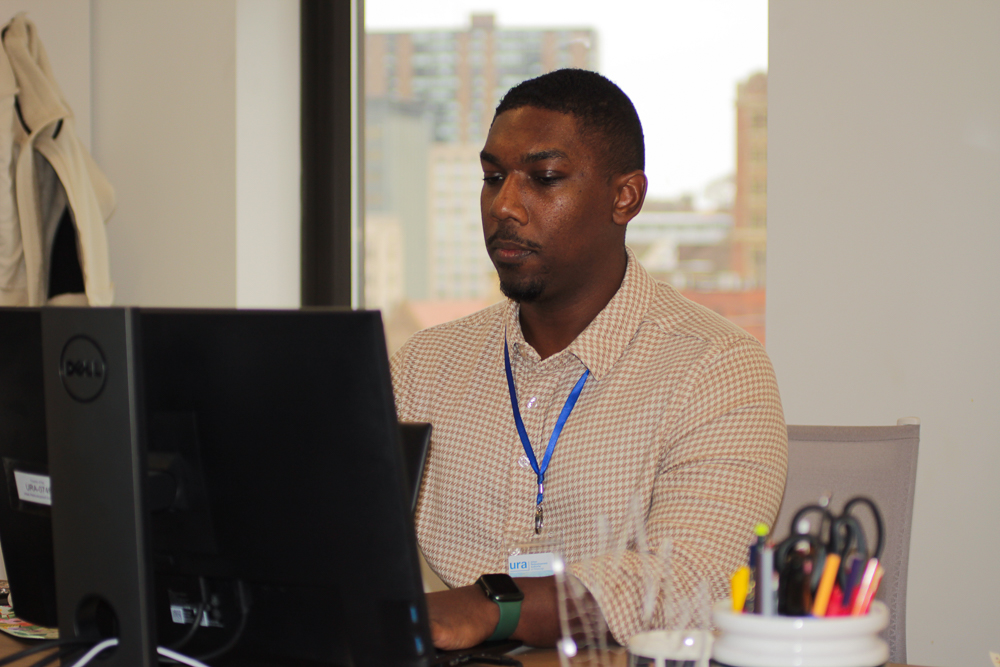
(502, 589)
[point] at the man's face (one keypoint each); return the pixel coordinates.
(547, 205)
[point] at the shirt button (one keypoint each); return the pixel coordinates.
(532, 401)
(523, 461)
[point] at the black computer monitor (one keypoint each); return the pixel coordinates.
(25, 503)
(242, 465)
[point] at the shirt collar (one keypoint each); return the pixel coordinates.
(604, 340)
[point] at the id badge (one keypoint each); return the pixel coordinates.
(534, 558)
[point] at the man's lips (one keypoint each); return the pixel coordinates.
(506, 251)
(506, 246)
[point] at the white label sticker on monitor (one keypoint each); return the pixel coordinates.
(33, 488)
(184, 614)
(530, 565)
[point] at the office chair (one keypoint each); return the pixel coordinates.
(876, 461)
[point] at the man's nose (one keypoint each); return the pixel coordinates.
(508, 203)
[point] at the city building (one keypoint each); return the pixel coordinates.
(461, 74)
(397, 148)
(430, 97)
(384, 262)
(460, 267)
(749, 240)
(686, 248)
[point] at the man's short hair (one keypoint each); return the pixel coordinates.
(601, 108)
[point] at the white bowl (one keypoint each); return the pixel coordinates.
(679, 645)
(752, 640)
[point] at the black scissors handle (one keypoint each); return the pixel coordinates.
(825, 522)
(846, 533)
(784, 548)
(876, 514)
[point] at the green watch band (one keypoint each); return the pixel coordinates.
(502, 589)
(510, 614)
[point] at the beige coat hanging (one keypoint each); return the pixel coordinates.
(49, 168)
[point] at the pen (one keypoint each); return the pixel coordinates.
(740, 583)
(765, 587)
(853, 578)
(760, 530)
(870, 595)
(861, 594)
(826, 585)
(836, 605)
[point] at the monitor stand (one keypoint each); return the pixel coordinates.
(97, 464)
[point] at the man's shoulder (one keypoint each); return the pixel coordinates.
(456, 335)
(675, 315)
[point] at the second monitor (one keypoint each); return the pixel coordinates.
(279, 510)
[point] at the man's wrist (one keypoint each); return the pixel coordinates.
(504, 592)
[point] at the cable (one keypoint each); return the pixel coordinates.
(244, 597)
(94, 650)
(44, 646)
(179, 657)
(102, 646)
(196, 623)
(73, 645)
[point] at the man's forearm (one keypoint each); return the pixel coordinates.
(463, 617)
(539, 624)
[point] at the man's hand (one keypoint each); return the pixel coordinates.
(463, 617)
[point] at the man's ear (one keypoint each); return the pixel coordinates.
(630, 192)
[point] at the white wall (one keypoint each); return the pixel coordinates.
(64, 27)
(196, 125)
(268, 165)
(164, 104)
(883, 277)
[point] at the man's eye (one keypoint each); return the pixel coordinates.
(547, 179)
(492, 179)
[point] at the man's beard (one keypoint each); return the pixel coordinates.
(526, 292)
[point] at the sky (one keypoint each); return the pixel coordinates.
(678, 60)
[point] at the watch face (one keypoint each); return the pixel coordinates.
(500, 587)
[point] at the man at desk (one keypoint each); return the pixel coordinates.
(623, 388)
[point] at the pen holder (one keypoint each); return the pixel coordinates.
(752, 640)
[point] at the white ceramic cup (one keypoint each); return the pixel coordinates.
(752, 640)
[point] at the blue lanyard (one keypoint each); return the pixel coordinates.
(563, 416)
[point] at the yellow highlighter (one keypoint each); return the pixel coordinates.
(826, 585)
(740, 582)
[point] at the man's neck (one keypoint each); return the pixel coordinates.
(550, 326)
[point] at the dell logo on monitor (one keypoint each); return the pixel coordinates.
(88, 367)
(82, 369)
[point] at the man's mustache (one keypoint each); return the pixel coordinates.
(506, 234)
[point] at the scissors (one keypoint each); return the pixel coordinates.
(800, 535)
(803, 556)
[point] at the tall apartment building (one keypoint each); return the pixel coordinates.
(749, 240)
(457, 78)
(397, 146)
(461, 74)
(460, 268)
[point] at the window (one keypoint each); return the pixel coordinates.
(434, 74)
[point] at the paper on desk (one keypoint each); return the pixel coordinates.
(15, 627)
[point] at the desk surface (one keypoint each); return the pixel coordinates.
(10, 646)
(549, 658)
(533, 658)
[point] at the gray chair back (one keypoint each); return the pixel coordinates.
(875, 461)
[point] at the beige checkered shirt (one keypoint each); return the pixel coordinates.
(681, 410)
